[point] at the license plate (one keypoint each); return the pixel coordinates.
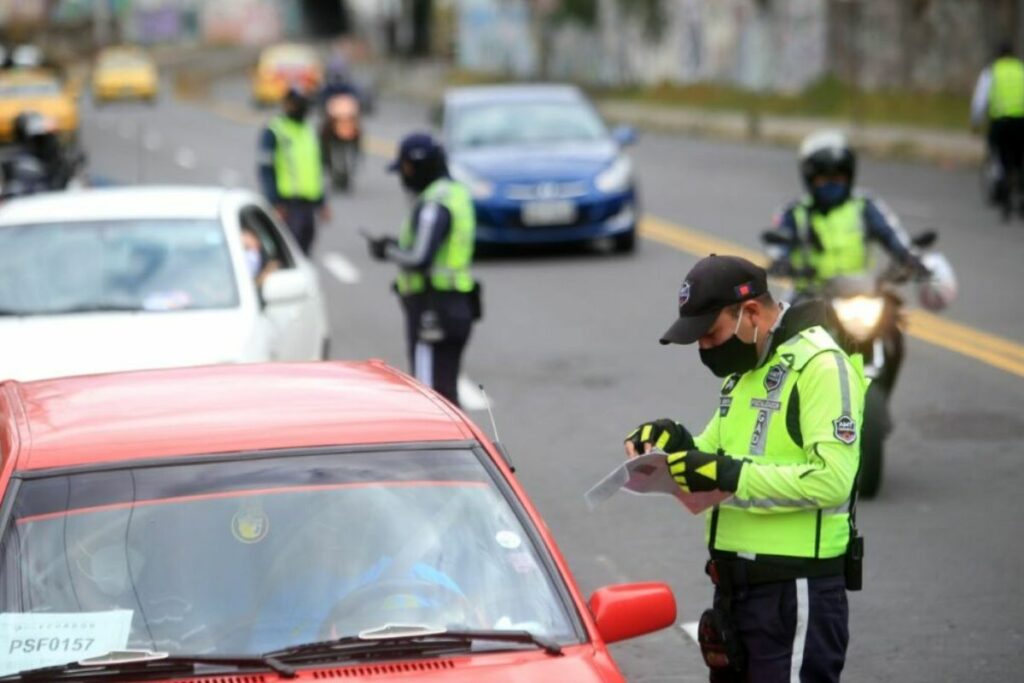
(555, 212)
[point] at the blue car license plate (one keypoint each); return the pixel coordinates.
(552, 212)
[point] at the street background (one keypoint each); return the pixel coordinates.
(568, 350)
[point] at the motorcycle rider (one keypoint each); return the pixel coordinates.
(829, 230)
(39, 164)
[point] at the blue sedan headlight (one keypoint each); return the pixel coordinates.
(478, 187)
(617, 177)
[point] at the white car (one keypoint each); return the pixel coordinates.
(149, 277)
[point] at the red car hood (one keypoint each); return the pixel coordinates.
(582, 664)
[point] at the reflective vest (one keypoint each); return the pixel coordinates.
(1006, 94)
(753, 422)
(449, 271)
(841, 234)
(297, 166)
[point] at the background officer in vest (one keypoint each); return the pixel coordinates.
(999, 99)
(833, 226)
(434, 252)
(290, 171)
(784, 440)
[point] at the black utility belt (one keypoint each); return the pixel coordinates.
(729, 569)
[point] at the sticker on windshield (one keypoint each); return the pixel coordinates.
(250, 524)
(522, 563)
(30, 641)
(508, 539)
(167, 301)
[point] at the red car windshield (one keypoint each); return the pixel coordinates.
(262, 553)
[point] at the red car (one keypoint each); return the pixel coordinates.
(258, 522)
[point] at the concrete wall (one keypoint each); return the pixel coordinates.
(781, 45)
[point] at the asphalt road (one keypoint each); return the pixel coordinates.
(569, 354)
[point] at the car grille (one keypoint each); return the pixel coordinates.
(561, 190)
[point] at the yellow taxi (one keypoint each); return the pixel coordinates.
(124, 72)
(37, 90)
(284, 65)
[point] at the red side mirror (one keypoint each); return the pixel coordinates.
(632, 609)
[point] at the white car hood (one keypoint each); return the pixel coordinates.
(37, 347)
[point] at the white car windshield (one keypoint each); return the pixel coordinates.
(524, 123)
(132, 265)
(261, 553)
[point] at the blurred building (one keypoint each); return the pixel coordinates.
(781, 45)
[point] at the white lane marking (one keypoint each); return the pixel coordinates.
(185, 158)
(341, 268)
(690, 629)
(229, 177)
(152, 141)
(470, 395)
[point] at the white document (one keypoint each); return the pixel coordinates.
(29, 640)
(649, 473)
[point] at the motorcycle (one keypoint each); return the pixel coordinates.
(340, 139)
(866, 318)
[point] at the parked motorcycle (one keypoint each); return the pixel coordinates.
(866, 319)
(340, 137)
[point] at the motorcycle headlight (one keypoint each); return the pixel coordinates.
(859, 315)
(615, 178)
(478, 187)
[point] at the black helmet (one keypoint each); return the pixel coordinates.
(29, 125)
(826, 153)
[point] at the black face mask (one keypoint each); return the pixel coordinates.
(733, 356)
(297, 112)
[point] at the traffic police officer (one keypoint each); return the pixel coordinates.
(290, 170)
(999, 98)
(832, 227)
(784, 441)
(434, 252)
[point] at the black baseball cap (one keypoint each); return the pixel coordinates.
(415, 147)
(712, 284)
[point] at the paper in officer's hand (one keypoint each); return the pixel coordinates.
(649, 473)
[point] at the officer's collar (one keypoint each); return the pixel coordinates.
(792, 321)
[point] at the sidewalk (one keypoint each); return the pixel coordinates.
(425, 82)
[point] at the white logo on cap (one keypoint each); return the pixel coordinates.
(684, 293)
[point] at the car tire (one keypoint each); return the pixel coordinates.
(625, 243)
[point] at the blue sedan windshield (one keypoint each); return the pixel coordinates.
(518, 123)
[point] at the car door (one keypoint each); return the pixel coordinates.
(298, 327)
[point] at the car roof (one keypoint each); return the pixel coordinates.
(122, 203)
(490, 94)
(158, 414)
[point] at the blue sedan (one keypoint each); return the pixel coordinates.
(541, 165)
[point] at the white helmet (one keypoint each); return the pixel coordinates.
(938, 291)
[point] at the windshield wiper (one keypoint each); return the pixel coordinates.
(405, 641)
(144, 663)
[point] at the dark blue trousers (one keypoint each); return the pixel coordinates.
(793, 631)
(300, 215)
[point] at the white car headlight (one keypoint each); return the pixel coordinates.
(478, 187)
(859, 315)
(615, 178)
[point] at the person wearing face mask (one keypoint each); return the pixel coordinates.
(783, 441)
(434, 252)
(832, 227)
(290, 171)
(256, 261)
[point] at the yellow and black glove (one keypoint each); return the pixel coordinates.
(664, 434)
(698, 471)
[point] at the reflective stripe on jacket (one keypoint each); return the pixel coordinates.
(297, 166)
(449, 271)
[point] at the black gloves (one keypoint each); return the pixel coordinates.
(379, 246)
(918, 268)
(699, 471)
(664, 434)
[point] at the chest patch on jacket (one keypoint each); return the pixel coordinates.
(776, 375)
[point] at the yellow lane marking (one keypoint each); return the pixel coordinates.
(998, 352)
(990, 349)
